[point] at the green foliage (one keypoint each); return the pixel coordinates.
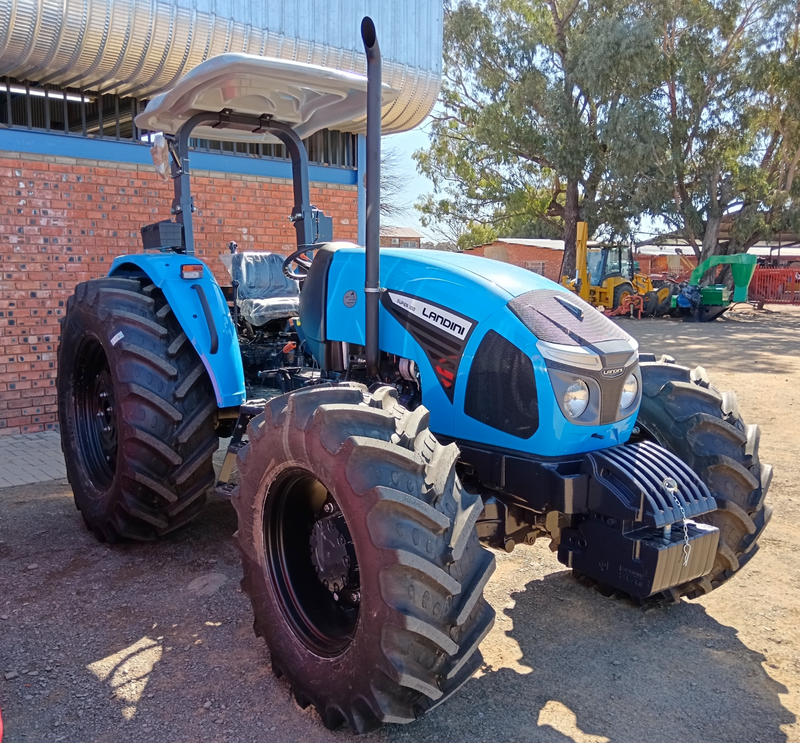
(541, 104)
(727, 79)
(558, 110)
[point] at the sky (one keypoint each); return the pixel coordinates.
(418, 185)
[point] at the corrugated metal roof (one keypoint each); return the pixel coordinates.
(142, 47)
(533, 242)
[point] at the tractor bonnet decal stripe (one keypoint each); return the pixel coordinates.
(456, 325)
(441, 333)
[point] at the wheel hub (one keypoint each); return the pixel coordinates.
(95, 414)
(105, 420)
(333, 554)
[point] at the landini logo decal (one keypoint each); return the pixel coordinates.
(441, 333)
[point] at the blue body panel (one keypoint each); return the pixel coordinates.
(480, 289)
(225, 366)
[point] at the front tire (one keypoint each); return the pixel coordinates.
(685, 414)
(360, 555)
(136, 411)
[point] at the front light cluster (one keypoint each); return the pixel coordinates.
(576, 398)
(629, 392)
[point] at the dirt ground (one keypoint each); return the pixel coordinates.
(154, 642)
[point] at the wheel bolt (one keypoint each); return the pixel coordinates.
(328, 508)
(355, 597)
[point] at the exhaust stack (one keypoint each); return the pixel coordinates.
(373, 195)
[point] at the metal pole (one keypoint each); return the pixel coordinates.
(373, 173)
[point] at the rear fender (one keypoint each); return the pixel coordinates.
(203, 313)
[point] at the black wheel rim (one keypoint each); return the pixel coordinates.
(323, 616)
(95, 413)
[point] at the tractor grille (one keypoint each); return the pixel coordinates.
(547, 314)
(501, 388)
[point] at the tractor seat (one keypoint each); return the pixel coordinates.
(265, 292)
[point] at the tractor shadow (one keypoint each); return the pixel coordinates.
(564, 663)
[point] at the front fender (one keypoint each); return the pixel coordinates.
(203, 314)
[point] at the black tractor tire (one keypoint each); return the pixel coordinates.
(136, 409)
(683, 412)
(421, 571)
(620, 291)
(665, 305)
(650, 304)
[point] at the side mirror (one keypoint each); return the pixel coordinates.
(159, 151)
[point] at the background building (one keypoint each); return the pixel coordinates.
(76, 177)
(399, 237)
(540, 255)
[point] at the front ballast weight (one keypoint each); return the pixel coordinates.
(625, 517)
(638, 534)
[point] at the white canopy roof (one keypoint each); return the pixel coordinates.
(307, 97)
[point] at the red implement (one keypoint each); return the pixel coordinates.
(632, 304)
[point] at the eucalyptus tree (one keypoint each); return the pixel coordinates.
(546, 117)
(728, 105)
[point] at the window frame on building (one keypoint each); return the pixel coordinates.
(541, 265)
(72, 112)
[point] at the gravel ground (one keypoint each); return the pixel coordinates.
(154, 642)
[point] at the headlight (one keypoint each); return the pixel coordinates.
(576, 398)
(629, 392)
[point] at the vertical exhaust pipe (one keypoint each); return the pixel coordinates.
(373, 200)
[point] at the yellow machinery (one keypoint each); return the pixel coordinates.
(605, 275)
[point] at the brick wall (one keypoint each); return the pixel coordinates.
(63, 221)
(520, 255)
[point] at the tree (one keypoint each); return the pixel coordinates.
(535, 94)
(445, 245)
(728, 107)
(394, 183)
(552, 111)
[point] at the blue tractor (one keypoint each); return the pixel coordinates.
(415, 408)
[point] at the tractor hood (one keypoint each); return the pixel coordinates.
(497, 347)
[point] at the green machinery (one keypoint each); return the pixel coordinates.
(703, 304)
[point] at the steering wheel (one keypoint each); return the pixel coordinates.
(303, 264)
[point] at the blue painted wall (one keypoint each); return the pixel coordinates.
(62, 145)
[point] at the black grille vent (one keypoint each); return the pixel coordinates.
(501, 388)
(558, 317)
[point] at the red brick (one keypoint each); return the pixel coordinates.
(523, 255)
(59, 236)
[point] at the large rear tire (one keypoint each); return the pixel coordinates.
(684, 413)
(136, 409)
(620, 292)
(348, 487)
(650, 304)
